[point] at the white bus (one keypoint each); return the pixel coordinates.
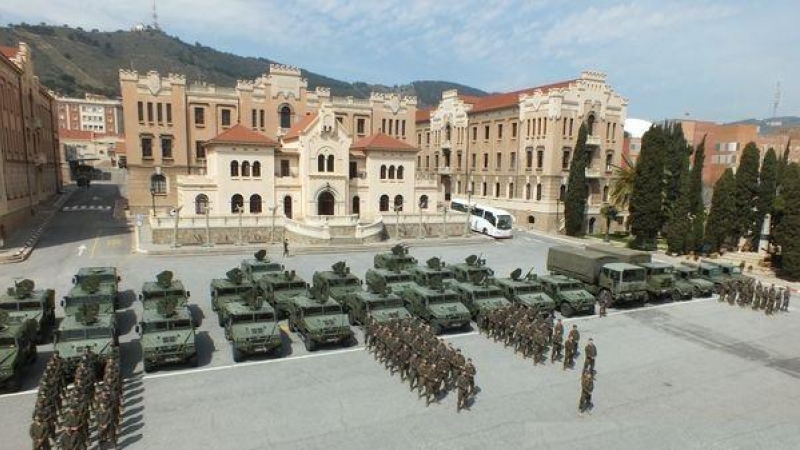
(493, 222)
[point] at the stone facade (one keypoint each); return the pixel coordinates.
(91, 113)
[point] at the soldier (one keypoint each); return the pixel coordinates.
(39, 432)
(413, 370)
(539, 341)
(569, 352)
(587, 387)
(71, 439)
(786, 295)
(106, 425)
(558, 340)
(463, 390)
(576, 339)
(771, 301)
(723, 292)
(590, 353)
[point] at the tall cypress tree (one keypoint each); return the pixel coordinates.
(679, 229)
(746, 192)
(646, 198)
(787, 233)
(723, 214)
(676, 152)
(577, 189)
(782, 164)
(767, 182)
(698, 206)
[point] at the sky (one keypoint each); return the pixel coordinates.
(718, 60)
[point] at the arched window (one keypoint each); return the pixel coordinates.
(423, 202)
(605, 193)
(200, 204)
(562, 192)
(590, 124)
(245, 169)
(539, 192)
(256, 169)
(234, 168)
(158, 184)
(287, 206)
(384, 203)
(255, 204)
(237, 203)
(400, 173)
(330, 163)
(320, 163)
(391, 172)
(383, 172)
(398, 202)
(286, 117)
(531, 220)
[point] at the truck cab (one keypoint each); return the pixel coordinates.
(86, 329)
(527, 291)
(17, 349)
(381, 306)
(568, 294)
(338, 282)
(23, 302)
(233, 288)
(434, 271)
(396, 259)
(710, 272)
(437, 305)
(258, 266)
(278, 288)
(661, 282)
(689, 275)
(252, 328)
(474, 267)
(167, 335)
(319, 319)
(394, 279)
(107, 276)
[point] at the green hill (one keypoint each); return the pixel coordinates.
(73, 61)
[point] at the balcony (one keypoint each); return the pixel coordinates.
(593, 141)
(593, 173)
(444, 170)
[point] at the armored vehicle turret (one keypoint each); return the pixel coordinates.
(690, 276)
(17, 349)
(23, 301)
(568, 294)
(84, 330)
(278, 288)
(319, 319)
(106, 276)
(381, 305)
(661, 283)
(525, 290)
(434, 271)
(258, 266)
(396, 259)
(437, 305)
(392, 275)
(90, 290)
(167, 334)
(233, 288)
(252, 328)
(166, 286)
(472, 267)
(337, 282)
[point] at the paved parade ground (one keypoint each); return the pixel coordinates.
(693, 375)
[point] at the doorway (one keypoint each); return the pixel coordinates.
(325, 204)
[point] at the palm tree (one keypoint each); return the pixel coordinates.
(622, 186)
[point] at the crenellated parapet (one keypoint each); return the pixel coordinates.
(284, 69)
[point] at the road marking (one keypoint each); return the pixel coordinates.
(94, 246)
(81, 249)
(114, 242)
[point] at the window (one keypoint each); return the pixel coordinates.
(320, 163)
(486, 133)
(255, 204)
(458, 186)
(245, 169)
(158, 184)
(256, 169)
(200, 204)
(539, 192)
(499, 131)
(436, 162)
(511, 190)
(340, 119)
(254, 119)
(427, 137)
(140, 110)
(571, 121)
(262, 119)
(353, 169)
(360, 123)
(284, 167)
(527, 191)
(499, 160)
(147, 147)
(226, 117)
(474, 161)
(474, 133)
(483, 190)
(403, 129)
(565, 159)
(562, 192)
(166, 147)
(159, 113)
(514, 129)
(609, 162)
(384, 203)
(199, 116)
(330, 163)
(485, 161)
(169, 113)
(423, 202)
(391, 172)
(383, 128)
(419, 139)
(497, 189)
(286, 117)
(458, 160)
(383, 172)
(427, 161)
(605, 193)
(150, 112)
(540, 158)
(287, 206)
(199, 150)
(528, 158)
(234, 168)
(398, 202)
(513, 161)
(400, 173)
(237, 203)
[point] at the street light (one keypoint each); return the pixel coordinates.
(208, 227)
(240, 211)
(397, 210)
(153, 198)
(421, 230)
(272, 229)
(177, 212)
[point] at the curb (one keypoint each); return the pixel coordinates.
(22, 253)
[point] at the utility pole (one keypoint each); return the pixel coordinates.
(444, 223)
(421, 230)
(175, 243)
(208, 228)
(272, 229)
(240, 210)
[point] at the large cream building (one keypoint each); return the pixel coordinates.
(513, 150)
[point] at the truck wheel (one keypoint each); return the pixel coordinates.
(238, 356)
(310, 344)
(219, 320)
(193, 361)
(566, 310)
(148, 367)
(437, 329)
(15, 384)
(349, 342)
(696, 292)
(676, 296)
(278, 351)
(350, 318)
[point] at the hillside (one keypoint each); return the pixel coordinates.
(73, 61)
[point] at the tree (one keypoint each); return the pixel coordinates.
(679, 228)
(622, 186)
(767, 182)
(577, 189)
(746, 192)
(646, 198)
(723, 214)
(676, 153)
(787, 234)
(782, 164)
(698, 205)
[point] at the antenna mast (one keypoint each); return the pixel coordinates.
(777, 100)
(155, 17)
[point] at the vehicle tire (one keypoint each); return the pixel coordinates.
(15, 384)
(566, 310)
(238, 356)
(676, 296)
(484, 231)
(437, 329)
(309, 343)
(219, 320)
(349, 342)
(696, 292)
(148, 367)
(193, 360)
(350, 318)
(277, 352)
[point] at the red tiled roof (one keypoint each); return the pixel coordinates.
(423, 115)
(508, 99)
(380, 141)
(239, 134)
(299, 127)
(9, 52)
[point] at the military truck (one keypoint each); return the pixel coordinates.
(730, 270)
(258, 266)
(17, 349)
(86, 329)
(278, 288)
(319, 319)
(167, 334)
(396, 259)
(626, 255)
(252, 328)
(602, 274)
(338, 282)
(90, 290)
(526, 291)
(480, 296)
(381, 304)
(436, 304)
(107, 276)
(709, 272)
(23, 301)
(233, 288)
(166, 286)
(688, 278)
(473, 266)
(568, 294)
(434, 269)
(661, 282)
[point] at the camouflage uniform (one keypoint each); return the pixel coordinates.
(569, 352)
(787, 294)
(106, 425)
(463, 392)
(40, 434)
(587, 387)
(590, 354)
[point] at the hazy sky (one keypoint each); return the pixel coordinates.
(714, 59)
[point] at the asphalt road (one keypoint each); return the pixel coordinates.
(696, 375)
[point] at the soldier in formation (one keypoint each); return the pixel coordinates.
(758, 296)
(526, 331)
(587, 388)
(430, 366)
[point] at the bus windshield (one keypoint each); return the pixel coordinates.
(504, 222)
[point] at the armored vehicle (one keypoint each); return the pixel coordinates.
(396, 259)
(319, 319)
(473, 266)
(234, 288)
(392, 278)
(434, 269)
(527, 291)
(480, 296)
(107, 276)
(23, 301)
(165, 286)
(709, 272)
(601, 273)
(689, 275)
(381, 304)
(337, 282)
(278, 288)
(252, 328)
(437, 305)
(17, 349)
(90, 290)
(661, 283)
(731, 270)
(87, 329)
(568, 294)
(167, 334)
(259, 266)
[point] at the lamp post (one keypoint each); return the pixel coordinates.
(272, 229)
(421, 230)
(153, 199)
(240, 211)
(469, 208)
(397, 221)
(175, 243)
(208, 228)
(444, 223)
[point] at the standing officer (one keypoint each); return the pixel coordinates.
(39, 433)
(587, 387)
(787, 293)
(463, 388)
(569, 353)
(589, 357)
(576, 339)
(558, 340)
